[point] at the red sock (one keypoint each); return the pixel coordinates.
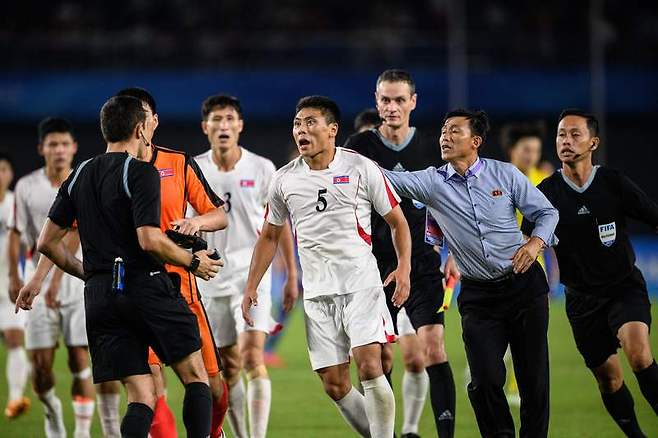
(219, 412)
(164, 423)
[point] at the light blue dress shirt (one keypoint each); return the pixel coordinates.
(476, 212)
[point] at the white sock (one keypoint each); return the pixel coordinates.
(54, 422)
(353, 409)
(18, 369)
(236, 417)
(83, 409)
(380, 407)
(259, 399)
(414, 393)
(108, 411)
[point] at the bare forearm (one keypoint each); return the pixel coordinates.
(288, 250)
(262, 257)
(168, 252)
(402, 243)
(61, 256)
(13, 252)
(212, 221)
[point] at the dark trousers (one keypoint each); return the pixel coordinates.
(495, 314)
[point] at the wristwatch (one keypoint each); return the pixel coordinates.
(194, 264)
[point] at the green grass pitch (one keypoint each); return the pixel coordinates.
(300, 409)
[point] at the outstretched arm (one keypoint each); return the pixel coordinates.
(402, 243)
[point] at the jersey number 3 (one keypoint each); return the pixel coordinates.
(227, 202)
(322, 202)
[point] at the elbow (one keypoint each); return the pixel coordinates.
(147, 242)
(44, 248)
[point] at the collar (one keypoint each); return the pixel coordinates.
(332, 165)
(585, 186)
(393, 146)
(472, 171)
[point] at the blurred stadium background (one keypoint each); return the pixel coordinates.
(519, 61)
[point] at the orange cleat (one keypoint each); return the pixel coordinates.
(16, 408)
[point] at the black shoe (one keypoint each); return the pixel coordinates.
(410, 435)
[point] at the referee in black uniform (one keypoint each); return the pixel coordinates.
(607, 301)
(115, 199)
(395, 145)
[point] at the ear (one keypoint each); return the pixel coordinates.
(595, 143)
(477, 141)
(413, 101)
(156, 121)
(40, 149)
(75, 147)
(333, 129)
(240, 125)
(204, 127)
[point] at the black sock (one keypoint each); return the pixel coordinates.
(197, 410)
(137, 421)
(442, 396)
(648, 381)
(620, 406)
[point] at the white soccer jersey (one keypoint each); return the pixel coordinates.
(244, 191)
(33, 196)
(330, 212)
(6, 212)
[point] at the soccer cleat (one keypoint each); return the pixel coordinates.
(54, 424)
(18, 407)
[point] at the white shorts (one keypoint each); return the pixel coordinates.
(404, 324)
(9, 319)
(337, 323)
(225, 317)
(45, 325)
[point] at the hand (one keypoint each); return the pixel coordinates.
(402, 285)
(290, 293)
(186, 226)
(27, 295)
(249, 299)
(52, 295)
(208, 267)
(526, 255)
(450, 269)
(15, 285)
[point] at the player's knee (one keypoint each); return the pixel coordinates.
(436, 353)
(336, 389)
(191, 369)
(413, 361)
(252, 358)
(609, 383)
(387, 358)
(78, 359)
(370, 369)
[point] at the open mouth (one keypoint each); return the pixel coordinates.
(445, 147)
(223, 136)
(304, 142)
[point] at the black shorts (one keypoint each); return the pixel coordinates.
(425, 296)
(121, 326)
(595, 320)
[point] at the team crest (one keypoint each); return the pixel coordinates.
(247, 183)
(164, 173)
(608, 233)
(342, 179)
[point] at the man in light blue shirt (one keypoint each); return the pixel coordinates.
(503, 299)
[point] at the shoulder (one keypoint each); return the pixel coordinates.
(167, 156)
(258, 161)
(362, 140)
(291, 168)
(203, 158)
(141, 167)
(30, 179)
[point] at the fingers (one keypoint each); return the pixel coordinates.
(401, 292)
(390, 278)
(247, 302)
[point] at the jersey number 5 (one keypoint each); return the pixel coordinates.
(322, 202)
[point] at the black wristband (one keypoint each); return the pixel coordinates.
(194, 264)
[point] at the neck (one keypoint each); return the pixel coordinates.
(321, 160)
(3, 193)
(226, 159)
(578, 172)
(395, 135)
(461, 165)
(57, 176)
(132, 147)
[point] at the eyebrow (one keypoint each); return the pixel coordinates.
(402, 96)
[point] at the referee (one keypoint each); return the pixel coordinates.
(607, 302)
(116, 202)
(504, 293)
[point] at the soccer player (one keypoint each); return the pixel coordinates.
(12, 325)
(131, 303)
(62, 312)
(183, 182)
(504, 293)
(242, 178)
(328, 193)
(607, 302)
(396, 145)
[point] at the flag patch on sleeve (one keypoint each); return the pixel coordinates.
(342, 179)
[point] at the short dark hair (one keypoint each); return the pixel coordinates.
(141, 94)
(478, 121)
(369, 116)
(327, 107)
(119, 116)
(592, 121)
(221, 101)
(54, 124)
(6, 157)
(511, 133)
(397, 75)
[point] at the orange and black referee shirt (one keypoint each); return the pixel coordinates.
(181, 181)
